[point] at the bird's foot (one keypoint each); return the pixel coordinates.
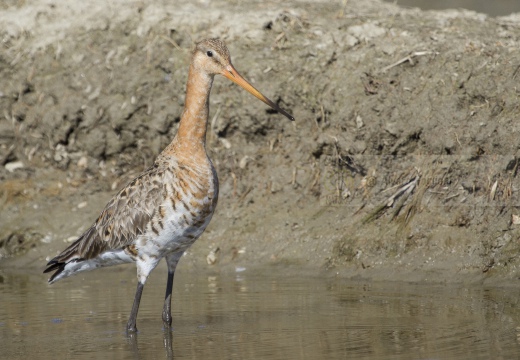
(131, 327)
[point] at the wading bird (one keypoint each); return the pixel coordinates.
(166, 208)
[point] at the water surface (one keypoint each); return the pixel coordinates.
(254, 316)
(492, 8)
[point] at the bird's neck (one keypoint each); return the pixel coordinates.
(191, 137)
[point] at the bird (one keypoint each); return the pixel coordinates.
(161, 212)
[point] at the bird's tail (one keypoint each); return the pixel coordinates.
(79, 257)
(66, 259)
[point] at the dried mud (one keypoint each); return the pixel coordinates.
(402, 163)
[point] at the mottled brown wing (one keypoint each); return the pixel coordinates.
(123, 219)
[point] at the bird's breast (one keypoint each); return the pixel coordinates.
(190, 201)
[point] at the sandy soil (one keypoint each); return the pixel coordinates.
(402, 163)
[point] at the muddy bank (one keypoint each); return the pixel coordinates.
(402, 162)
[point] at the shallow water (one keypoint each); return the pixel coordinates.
(252, 316)
(492, 8)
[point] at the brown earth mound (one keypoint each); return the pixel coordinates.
(402, 163)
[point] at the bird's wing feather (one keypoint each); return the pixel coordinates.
(124, 218)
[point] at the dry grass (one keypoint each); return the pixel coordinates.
(13, 191)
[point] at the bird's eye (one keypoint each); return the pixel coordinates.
(209, 53)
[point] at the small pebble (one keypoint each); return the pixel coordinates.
(83, 162)
(226, 143)
(81, 205)
(12, 166)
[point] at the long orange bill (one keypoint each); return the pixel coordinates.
(233, 75)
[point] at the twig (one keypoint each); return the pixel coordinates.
(234, 184)
(405, 189)
(244, 194)
(451, 197)
(175, 45)
(406, 195)
(408, 58)
(402, 190)
(493, 191)
(214, 121)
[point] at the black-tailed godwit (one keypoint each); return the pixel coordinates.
(167, 207)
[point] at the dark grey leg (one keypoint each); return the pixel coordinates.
(131, 326)
(167, 309)
(172, 260)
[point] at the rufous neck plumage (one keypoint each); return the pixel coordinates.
(191, 136)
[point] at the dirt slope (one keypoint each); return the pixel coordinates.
(402, 163)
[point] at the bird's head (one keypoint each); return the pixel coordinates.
(212, 57)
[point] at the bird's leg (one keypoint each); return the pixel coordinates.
(131, 326)
(167, 309)
(172, 260)
(144, 266)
